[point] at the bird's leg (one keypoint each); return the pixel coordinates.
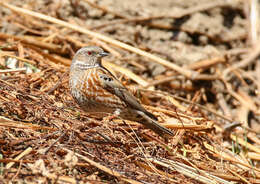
(115, 114)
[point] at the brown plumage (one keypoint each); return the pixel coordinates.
(98, 91)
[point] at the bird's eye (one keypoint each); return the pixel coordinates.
(89, 53)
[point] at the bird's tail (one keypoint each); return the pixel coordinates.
(152, 124)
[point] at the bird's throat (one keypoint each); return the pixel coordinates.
(84, 66)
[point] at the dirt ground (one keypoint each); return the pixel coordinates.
(193, 64)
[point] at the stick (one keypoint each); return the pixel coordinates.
(186, 72)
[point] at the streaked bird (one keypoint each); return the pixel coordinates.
(98, 91)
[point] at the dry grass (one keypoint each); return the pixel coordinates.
(46, 137)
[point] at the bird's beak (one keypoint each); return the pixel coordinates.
(103, 54)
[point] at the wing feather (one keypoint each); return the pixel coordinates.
(111, 84)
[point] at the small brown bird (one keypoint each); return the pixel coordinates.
(98, 91)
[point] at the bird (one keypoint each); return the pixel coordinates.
(97, 91)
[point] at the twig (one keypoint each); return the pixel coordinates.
(244, 143)
(161, 81)
(228, 156)
(207, 63)
(162, 173)
(187, 126)
(229, 127)
(57, 140)
(236, 174)
(106, 47)
(254, 156)
(5, 122)
(25, 152)
(254, 20)
(30, 30)
(104, 168)
(48, 46)
(189, 171)
(126, 72)
(193, 103)
(12, 70)
(102, 8)
(174, 15)
(245, 62)
(186, 72)
(241, 99)
(2, 54)
(19, 169)
(59, 83)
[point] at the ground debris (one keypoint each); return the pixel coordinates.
(196, 69)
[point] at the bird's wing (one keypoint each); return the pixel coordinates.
(111, 84)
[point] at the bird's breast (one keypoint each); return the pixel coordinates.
(89, 93)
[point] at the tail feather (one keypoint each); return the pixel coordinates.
(150, 115)
(150, 122)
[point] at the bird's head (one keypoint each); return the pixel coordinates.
(88, 57)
